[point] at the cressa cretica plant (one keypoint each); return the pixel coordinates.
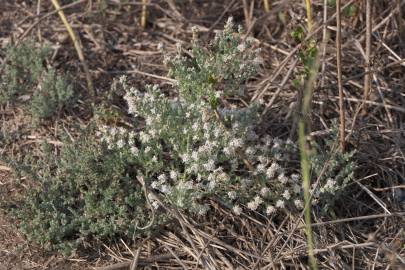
(190, 148)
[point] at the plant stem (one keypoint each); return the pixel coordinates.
(339, 75)
(266, 5)
(367, 76)
(305, 153)
(309, 14)
(305, 171)
(76, 43)
(144, 13)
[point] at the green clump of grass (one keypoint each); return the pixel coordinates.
(27, 81)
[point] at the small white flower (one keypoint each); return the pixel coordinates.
(289, 142)
(185, 157)
(148, 120)
(270, 210)
(295, 178)
(217, 132)
(154, 184)
(162, 178)
(280, 204)
(258, 200)
(144, 137)
(261, 168)
(236, 143)
(153, 133)
(237, 210)
(123, 79)
(155, 204)
(277, 143)
(134, 150)
(232, 195)
(173, 175)
(250, 151)
(210, 165)
(166, 189)
(330, 183)
(120, 143)
(272, 170)
(229, 22)
(299, 204)
(252, 205)
(203, 209)
(187, 185)
(242, 47)
(211, 177)
(282, 178)
(212, 185)
(228, 151)
(264, 192)
(263, 159)
(147, 149)
(194, 155)
(113, 131)
(287, 194)
(223, 177)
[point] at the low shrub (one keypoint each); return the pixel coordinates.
(88, 193)
(25, 79)
(188, 149)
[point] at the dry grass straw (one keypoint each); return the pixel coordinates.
(308, 6)
(144, 14)
(76, 43)
(266, 5)
(367, 76)
(305, 152)
(339, 76)
(361, 236)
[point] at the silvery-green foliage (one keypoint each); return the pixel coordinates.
(26, 80)
(333, 169)
(88, 192)
(53, 94)
(22, 70)
(219, 70)
(189, 149)
(194, 147)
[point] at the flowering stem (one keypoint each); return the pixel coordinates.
(305, 152)
(305, 170)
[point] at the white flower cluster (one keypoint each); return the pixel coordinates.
(205, 155)
(191, 147)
